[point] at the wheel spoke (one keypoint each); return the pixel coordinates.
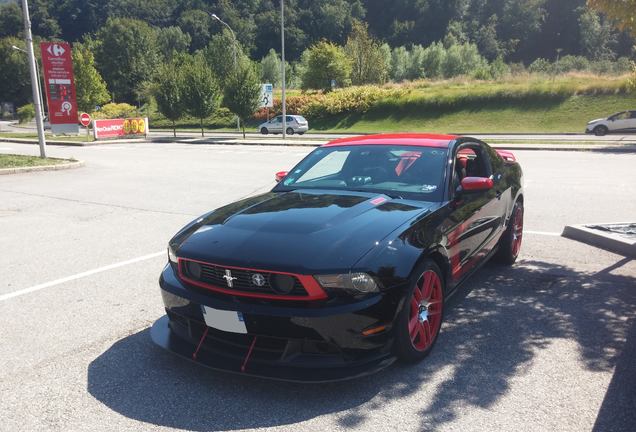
(417, 332)
(417, 294)
(428, 332)
(427, 289)
(412, 323)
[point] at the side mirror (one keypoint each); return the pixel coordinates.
(477, 184)
(280, 175)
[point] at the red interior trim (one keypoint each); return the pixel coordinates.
(313, 288)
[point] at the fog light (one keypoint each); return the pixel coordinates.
(194, 269)
(281, 283)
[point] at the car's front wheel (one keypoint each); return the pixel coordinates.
(510, 242)
(420, 319)
(264, 131)
(600, 130)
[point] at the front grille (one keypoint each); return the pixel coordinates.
(216, 275)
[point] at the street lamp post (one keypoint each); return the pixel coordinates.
(282, 73)
(28, 38)
(38, 74)
(234, 49)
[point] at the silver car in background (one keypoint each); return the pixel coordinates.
(295, 124)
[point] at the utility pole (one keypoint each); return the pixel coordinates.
(282, 50)
(28, 38)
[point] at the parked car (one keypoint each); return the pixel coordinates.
(346, 264)
(295, 124)
(624, 121)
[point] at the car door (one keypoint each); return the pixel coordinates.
(477, 218)
(620, 122)
(291, 122)
(631, 126)
(276, 124)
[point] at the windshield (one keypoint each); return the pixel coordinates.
(398, 171)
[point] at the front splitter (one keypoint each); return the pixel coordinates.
(165, 338)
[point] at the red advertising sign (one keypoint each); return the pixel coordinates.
(85, 119)
(59, 83)
(115, 128)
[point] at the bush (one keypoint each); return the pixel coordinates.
(540, 65)
(115, 110)
(26, 113)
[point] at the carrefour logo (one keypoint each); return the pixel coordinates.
(55, 50)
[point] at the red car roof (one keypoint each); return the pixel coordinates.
(421, 140)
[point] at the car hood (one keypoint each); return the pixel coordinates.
(299, 232)
(596, 120)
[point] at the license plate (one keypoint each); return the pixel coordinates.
(229, 321)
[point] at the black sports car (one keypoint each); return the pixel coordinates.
(345, 266)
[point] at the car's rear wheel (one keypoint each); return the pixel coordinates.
(510, 242)
(290, 131)
(264, 131)
(420, 319)
(600, 130)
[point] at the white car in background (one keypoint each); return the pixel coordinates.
(295, 124)
(624, 121)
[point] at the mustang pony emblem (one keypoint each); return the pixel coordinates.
(229, 279)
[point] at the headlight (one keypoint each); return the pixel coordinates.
(172, 256)
(360, 282)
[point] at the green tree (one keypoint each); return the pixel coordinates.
(196, 23)
(171, 40)
(15, 84)
(367, 60)
(89, 84)
(224, 54)
(400, 61)
(154, 12)
(169, 93)
(201, 92)
(622, 12)
(270, 68)
(241, 93)
(10, 20)
(126, 56)
(597, 37)
(323, 62)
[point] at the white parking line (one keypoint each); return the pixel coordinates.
(78, 276)
(543, 233)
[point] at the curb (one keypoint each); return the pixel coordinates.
(63, 166)
(609, 241)
(71, 143)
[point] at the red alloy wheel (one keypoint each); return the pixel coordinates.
(425, 316)
(517, 231)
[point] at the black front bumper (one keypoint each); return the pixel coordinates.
(317, 342)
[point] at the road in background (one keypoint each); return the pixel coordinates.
(324, 137)
(545, 342)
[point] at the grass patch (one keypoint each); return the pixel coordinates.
(548, 116)
(18, 161)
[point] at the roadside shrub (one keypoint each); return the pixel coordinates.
(26, 113)
(115, 110)
(541, 66)
(433, 59)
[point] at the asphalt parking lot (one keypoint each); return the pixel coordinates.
(549, 344)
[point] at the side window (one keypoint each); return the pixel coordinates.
(289, 119)
(471, 160)
(278, 120)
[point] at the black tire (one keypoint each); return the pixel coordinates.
(264, 131)
(290, 131)
(405, 347)
(510, 242)
(600, 130)
(301, 133)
